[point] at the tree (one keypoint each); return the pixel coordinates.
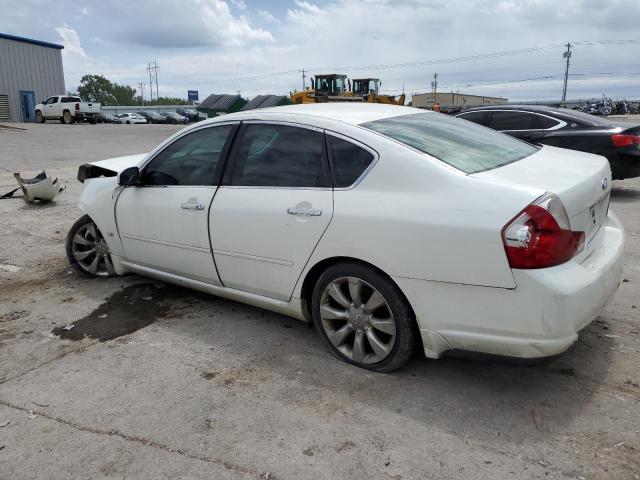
(96, 88)
(124, 95)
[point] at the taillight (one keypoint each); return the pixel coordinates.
(77, 106)
(540, 236)
(622, 140)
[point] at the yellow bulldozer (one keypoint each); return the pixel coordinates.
(326, 88)
(369, 90)
(335, 87)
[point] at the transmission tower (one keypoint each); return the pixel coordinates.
(152, 68)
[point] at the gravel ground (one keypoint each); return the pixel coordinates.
(209, 388)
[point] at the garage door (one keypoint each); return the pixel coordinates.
(4, 107)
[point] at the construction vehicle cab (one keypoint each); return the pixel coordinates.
(362, 87)
(332, 85)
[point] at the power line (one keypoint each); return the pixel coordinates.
(566, 55)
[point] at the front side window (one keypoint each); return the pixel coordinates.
(348, 161)
(279, 156)
(190, 160)
(512, 120)
(53, 100)
(468, 147)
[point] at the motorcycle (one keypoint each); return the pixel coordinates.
(604, 107)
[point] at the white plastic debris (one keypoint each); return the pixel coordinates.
(40, 188)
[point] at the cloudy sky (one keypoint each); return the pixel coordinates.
(484, 47)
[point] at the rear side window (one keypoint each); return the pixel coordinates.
(190, 160)
(463, 145)
(546, 122)
(348, 161)
(70, 99)
(279, 156)
(475, 117)
(512, 120)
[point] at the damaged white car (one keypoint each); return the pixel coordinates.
(388, 227)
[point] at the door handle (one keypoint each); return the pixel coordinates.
(192, 206)
(312, 212)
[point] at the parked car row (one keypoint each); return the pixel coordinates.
(145, 117)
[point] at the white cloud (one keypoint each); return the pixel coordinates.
(71, 41)
(267, 16)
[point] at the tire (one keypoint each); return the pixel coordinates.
(39, 117)
(605, 110)
(87, 252)
(381, 337)
(92, 120)
(67, 118)
(128, 122)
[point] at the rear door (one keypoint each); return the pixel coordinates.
(163, 223)
(517, 123)
(275, 203)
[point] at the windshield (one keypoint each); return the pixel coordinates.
(462, 144)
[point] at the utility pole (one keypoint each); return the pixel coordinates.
(153, 75)
(566, 55)
(141, 86)
(304, 79)
(434, 87)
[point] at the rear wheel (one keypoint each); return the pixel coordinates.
(363, 317)
(87, 250)
(67, 118)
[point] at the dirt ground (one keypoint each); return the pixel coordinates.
(159, 382)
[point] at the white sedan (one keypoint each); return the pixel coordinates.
(131, 118)
(386, 226)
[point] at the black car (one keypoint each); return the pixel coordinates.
(173, 118)
(107, 118)
(152, 117)
(560, 127)
(188, 112)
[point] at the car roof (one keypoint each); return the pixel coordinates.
(351, 113)
(560, 112)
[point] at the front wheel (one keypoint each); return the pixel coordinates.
(363, 318)
(39, 117)
(87, 250)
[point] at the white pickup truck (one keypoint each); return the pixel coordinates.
(68, 109)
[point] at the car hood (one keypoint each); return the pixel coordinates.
(110, 167)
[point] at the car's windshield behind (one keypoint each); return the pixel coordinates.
(464, 145)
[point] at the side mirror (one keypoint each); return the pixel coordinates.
(129, 177)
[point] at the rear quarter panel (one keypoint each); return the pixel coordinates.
(414, 217)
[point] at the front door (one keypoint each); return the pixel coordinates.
(27, 106)
(272, 209)
(163, 223)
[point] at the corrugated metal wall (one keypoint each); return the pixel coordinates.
(28, 67)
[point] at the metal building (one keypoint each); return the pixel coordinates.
(264, 101)
(220, 104)
(30, 71)
(426, 100)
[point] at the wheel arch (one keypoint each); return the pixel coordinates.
(313, 274)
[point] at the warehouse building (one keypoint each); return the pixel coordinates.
(215, 104)
(427, 100)
(30, 72)
(264, 101)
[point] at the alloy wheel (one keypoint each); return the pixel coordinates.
(91, 252)
(357, 320)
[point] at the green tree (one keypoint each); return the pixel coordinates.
(96, 88)
(168, 101)
(124, 95)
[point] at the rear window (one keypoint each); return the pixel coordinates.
(464, 145)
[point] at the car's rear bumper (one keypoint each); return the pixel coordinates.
(540, 317)
(625, 165)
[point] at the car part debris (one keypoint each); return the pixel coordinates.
(40, 188)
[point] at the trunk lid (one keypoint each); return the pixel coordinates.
(581, 180)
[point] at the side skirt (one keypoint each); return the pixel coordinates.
(292, 308)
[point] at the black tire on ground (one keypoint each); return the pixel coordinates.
(405, 324)
(93, 120)
(82, 222)
(39, 117)
(128, 122)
